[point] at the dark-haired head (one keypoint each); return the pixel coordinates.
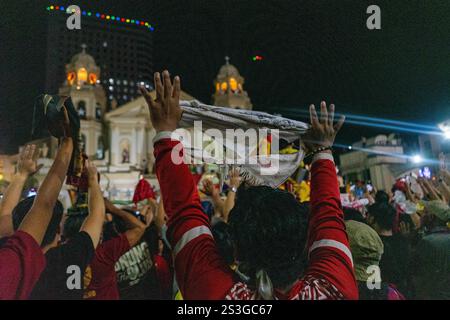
(381, 216)
(24, 206)
(222, 235)
(381, 197)
(353, 214)
(269, 231)
(73, 223)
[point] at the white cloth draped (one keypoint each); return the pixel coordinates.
(253, 170)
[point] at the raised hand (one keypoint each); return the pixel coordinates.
(208, 187)
(235, 178)
(27, 165)
(165, 111)
(91, 170)
(428, 189)
(322, 131)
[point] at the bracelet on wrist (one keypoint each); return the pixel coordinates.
(318, 150)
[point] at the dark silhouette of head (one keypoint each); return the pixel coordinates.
(353, 214)
(381, 197)
(381, 215)
(24, 206)
(269, 231)
(222, 235)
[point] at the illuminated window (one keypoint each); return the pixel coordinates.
(98, 112)
(82, 109)
(217, 86)
(92, 78)
(100, 149)
(71, 77)
(233, 84)
(224, 86)
(82, 75)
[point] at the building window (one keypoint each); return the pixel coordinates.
(233, 84)
(81, 106)
(98, 112)
(82, 76)
(100, 149)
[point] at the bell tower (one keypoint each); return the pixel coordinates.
(83, 85)
(229, 88)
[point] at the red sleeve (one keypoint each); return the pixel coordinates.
(201, 272)
(329, 251)
(21, 264)
(109, 252)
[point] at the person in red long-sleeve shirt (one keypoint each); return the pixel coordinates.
(262, 218)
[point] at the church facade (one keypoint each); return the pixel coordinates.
(119, 141)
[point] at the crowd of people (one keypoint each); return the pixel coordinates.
(197, 239)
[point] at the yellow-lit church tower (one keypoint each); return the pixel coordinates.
(83, 85)
(229, 88)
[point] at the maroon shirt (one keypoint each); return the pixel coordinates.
(21, 264)
(100, 277)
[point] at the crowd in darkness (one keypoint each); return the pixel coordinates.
(194, 240)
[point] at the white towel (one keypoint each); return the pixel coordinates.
(221, 119)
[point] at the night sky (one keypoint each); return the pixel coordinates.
(312, 50)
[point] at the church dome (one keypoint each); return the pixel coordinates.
(228, 70)
(82, 69)
(229, 91)
(83, 59)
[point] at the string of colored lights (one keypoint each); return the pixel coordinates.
(257, 58)
(103, 16)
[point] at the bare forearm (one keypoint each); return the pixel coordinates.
(10, 200)
(445, 191)
(218, 204)
(134, 235)
(51, 186)
(94, 222)
(130, 220)
(36, 221)
(229, 204)
(12, 194)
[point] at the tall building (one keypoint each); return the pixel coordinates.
(121, 46)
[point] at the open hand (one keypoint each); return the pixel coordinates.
(27, 165)
(322, 132)
(235, 178)
(208, 187)
(165, 111)
(91, 170)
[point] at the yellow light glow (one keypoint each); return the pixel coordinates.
(82, 75)
(92, 78)
(217, 86)
(71, 77)
(233, 84)
(224, 86)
